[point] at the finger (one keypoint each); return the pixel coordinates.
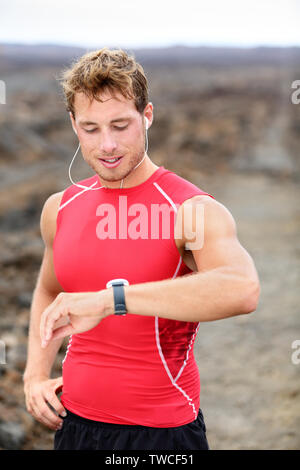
(62, 332)
(57, 316)
(61, 321)
(51, 319)
(37, 413)
(44, 318)
(56, 404)
(42, 322)
(45, 415)
(47, 312)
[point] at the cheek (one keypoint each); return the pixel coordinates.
(88, 144)
(135, 139)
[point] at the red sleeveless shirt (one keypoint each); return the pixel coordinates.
(130, 369)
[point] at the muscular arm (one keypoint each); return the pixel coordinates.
(225, 285)
(39, 389)
(39, 361)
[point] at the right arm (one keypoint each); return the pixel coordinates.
(38, 387)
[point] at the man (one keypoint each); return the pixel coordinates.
(128, 290)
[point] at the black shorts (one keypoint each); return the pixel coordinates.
(79, 433)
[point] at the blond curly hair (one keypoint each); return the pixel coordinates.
(105, 69)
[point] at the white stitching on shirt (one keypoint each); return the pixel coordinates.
(190, 402)
(75, 195)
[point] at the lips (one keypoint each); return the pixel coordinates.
(110, 165)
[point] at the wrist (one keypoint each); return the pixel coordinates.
(33, 377)
(107, 301)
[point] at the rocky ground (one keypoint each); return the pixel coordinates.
(234, 133)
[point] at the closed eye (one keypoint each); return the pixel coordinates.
(118, 128)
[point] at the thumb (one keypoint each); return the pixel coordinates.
(58, 385)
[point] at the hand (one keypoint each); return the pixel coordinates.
(73, 313)
(38, 392)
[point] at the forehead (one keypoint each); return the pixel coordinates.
(110, 106)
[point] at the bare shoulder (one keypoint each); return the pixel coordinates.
(207, 201)
(49, 216)
(217, 217)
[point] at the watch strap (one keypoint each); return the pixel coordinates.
(119, 299)
(119, 295)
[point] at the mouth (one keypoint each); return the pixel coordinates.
(110, 162)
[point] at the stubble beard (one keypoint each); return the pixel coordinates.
(113, 175)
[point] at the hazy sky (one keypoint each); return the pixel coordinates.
(142, 23)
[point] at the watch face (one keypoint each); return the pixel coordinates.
(123, 282)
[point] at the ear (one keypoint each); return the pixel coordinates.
(73, 122)
(148, 114)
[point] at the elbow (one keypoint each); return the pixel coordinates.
(251, 300)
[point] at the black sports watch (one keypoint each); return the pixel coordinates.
(119, 295)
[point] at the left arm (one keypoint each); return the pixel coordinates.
(225, 285)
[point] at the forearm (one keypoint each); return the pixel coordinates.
(199, 297)
(39, 360)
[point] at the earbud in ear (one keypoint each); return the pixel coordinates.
(146, 123)
(75, 131)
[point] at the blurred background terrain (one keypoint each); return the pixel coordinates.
(224, 120)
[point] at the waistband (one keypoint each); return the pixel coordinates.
(101, 424)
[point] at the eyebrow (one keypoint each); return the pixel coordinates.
(92, 123)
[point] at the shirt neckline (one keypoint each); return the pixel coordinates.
(138, 187)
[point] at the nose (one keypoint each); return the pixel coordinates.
(108, 144)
